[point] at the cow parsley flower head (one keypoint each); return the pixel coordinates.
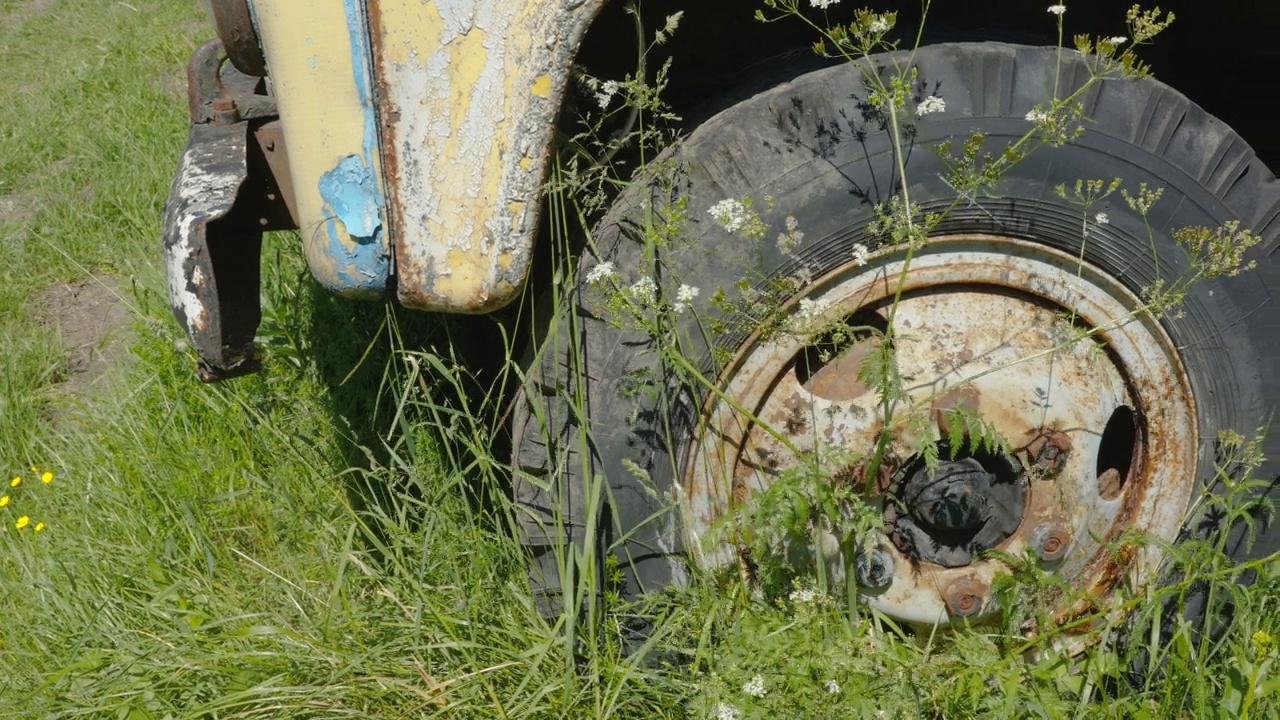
(860, 254)
(644, 290)
(1036, 115)
(1102, 219)
(878, 26)
(732, 214)
(810, 309)
(684, 297)
(1057, 9)
(832, 687)
(931, 104)
(755, 687)
(608, 89)
(727, 712)
(789, 240)
(600, 273)
(803, 595)
(1118, 40)
(822, 4)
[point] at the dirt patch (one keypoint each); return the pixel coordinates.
(25, 12)
(15, 208)
(94, 323)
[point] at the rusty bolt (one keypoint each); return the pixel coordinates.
(1049, 452)
(874, 569)
(1050, 541)
(224, 110)
(889, 465)
(966, 597)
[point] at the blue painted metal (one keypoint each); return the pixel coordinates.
(352, 192)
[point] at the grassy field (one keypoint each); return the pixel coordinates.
(328, 538)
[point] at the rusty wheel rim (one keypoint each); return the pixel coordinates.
(1102, 431)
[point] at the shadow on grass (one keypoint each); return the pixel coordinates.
(396, 447)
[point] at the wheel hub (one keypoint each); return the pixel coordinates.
(950, 514)
(1032, 344)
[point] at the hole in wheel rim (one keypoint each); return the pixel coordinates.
(1116, 452)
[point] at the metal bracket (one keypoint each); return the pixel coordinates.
(227, 192)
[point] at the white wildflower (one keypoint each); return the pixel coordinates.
(600, 273)
(1036, 115)
(832, 687)
(822, 4)
(684, 296)
(608, 89)
(1118, 40)
(931, 104)
(1102, 219)
(732, 214)
(803, 595)
(727, 712)
(644, 291)
(1057, 9)
(755, 687)
(788, 240)
(802, 277)
(811, 309)
(860, 254)
(878, 26)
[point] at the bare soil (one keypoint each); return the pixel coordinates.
(94, 322)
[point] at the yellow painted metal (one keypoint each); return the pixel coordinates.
(313, 71)
(468, 91)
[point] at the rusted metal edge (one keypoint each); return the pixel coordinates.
(234, 20)
(217, 92)
(212, 266)
(231, 186)
(227, 191)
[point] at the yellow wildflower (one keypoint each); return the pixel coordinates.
(1261, 640)
(40, 526)
(22, 522)
(16, 481)
(4, 500)
(46, 477)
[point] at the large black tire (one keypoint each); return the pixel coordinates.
(799, 143)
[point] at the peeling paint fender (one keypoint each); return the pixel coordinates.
(435, 116)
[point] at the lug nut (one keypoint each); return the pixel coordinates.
(1050, 541)
(1049, 452)
(966, 597)
(874, 569)
(883, 479)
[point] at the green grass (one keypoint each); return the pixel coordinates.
(328, 538)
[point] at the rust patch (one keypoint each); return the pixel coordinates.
(1048, 452)
(964, 398)
(796, 420)
(838, 379)
(1109, 484)
(966, 596)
